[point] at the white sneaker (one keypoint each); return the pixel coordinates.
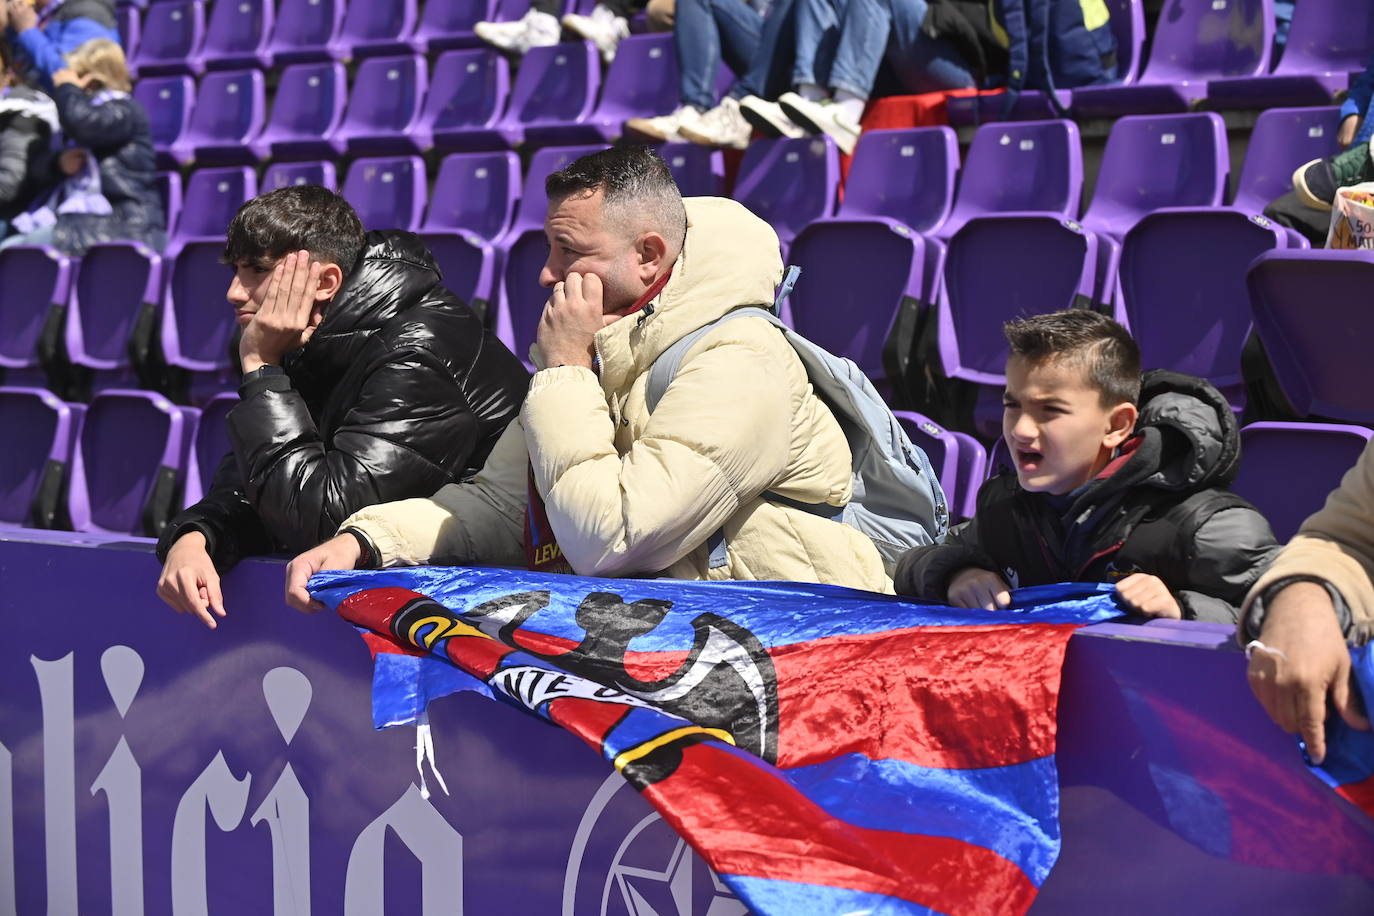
(721, 126)
(822, 118)
(665, 128)
(768, 117)
(602, 28)
(533, 30)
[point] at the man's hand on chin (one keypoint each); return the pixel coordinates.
(572, 316)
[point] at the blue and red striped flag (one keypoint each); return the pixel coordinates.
(824, 750)
(1349, 764)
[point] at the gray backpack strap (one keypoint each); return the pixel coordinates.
(664, 369)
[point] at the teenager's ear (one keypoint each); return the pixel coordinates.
(331, 278)
(1121, 424)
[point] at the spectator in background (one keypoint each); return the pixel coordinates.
(110, 190)
(1356, 124)
(1103, 490)
(364, 381)
(605, 27)
(1318, 594)
(28, 121)
(45, 31)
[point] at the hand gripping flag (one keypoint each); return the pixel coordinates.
(1349, 764)
(824, 750)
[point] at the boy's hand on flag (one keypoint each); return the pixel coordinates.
(1149, 596)
(339, 552)
(978, 588)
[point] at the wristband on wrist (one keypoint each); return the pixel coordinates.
(369, 559)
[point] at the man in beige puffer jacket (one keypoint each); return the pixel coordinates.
(627, 492)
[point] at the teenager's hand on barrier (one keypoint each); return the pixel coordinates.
(572, 316)
(1301, 663)
(189, 583)
(22, 15)
(1345, 135)
(978, 588)
(288, 316)
(1149, 596)
(339, 552)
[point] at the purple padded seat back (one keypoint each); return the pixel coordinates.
(1182, 282)
(467, 263)
(906, 174)
(131, 445)
(1272, 452)
(643, 81)
(197, 320)
(474, 191)
(38, 438)
(230, 109)
(1042, 264)
(285, 174)
(449, 24)
(33, 279)
(467, 91)
(555, 84)
(789, 183)
(1307, 312)
(169, 101)
(212, 435)
(698, 170)
(386, 97)
(304, 29)
(129, 24)
(1281, 140)
(387, 193)
(1196, 40)
(308, 107)
(114, 283)
(1154, 161)
(508, 10)
(376, 27)
(169, 191)
(1128, 27)
(1328, 36)
(237, 34)
(171, 36)
(1020, 166)
(940, 447)
(213, 196)
(530, 211)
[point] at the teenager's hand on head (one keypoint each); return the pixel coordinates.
(1304, 662)
(288, 316)
(1345, 134)
(339, 552)
(189, 583)
(1149, 596)
(978, 588)
(22, 16)
(571, 318)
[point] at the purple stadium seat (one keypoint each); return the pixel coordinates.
(476, 192)
(907, 175)
(375, 27)
(449, 25)
(521, 298)
(125, 469)
(118, 286)
(466, 98)
(39, 431)
(384, 108)
(1182, 286)
(305, 29)
(282, 174)
(197, 322)
(237, 34)
(553, 96)
(130, 26)
(642, 81)
(1281, 140)
(171, 37)
(698, 170)
(169, 190)
(230, 109)
(387, 193)
(789, 183)
(206, 444)
(1193, 42)
(1308, 314)
(306, 113)
(213, 196)
(36, 281)
(168, 101)
(1270, 453)
(960, 461)
(1327, 41)
(1022, 167)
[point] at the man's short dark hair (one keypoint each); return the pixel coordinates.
(1106, 350)
(630, 175)
(299, 217)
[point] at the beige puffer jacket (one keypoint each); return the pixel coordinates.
(634, 494)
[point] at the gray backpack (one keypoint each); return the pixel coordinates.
(897, 499)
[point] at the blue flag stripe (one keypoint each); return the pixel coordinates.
(766, 895)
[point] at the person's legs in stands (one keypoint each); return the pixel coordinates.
(536, 29)
(608, 23)
(1316, 182)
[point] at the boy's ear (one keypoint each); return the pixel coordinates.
(331, 278)
(1120, 424)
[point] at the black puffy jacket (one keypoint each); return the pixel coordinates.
(1160, 508)
(117, 133)
(27, 119)
(399, 392)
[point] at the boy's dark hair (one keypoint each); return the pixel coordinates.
(308, 217)
(631, 175)
(1105, 349)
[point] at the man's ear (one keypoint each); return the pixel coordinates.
(653, 252)
(331, 278)
(1121, 423)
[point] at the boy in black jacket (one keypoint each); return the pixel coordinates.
(1103, 490)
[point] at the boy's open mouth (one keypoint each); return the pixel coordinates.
(1026, 458)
